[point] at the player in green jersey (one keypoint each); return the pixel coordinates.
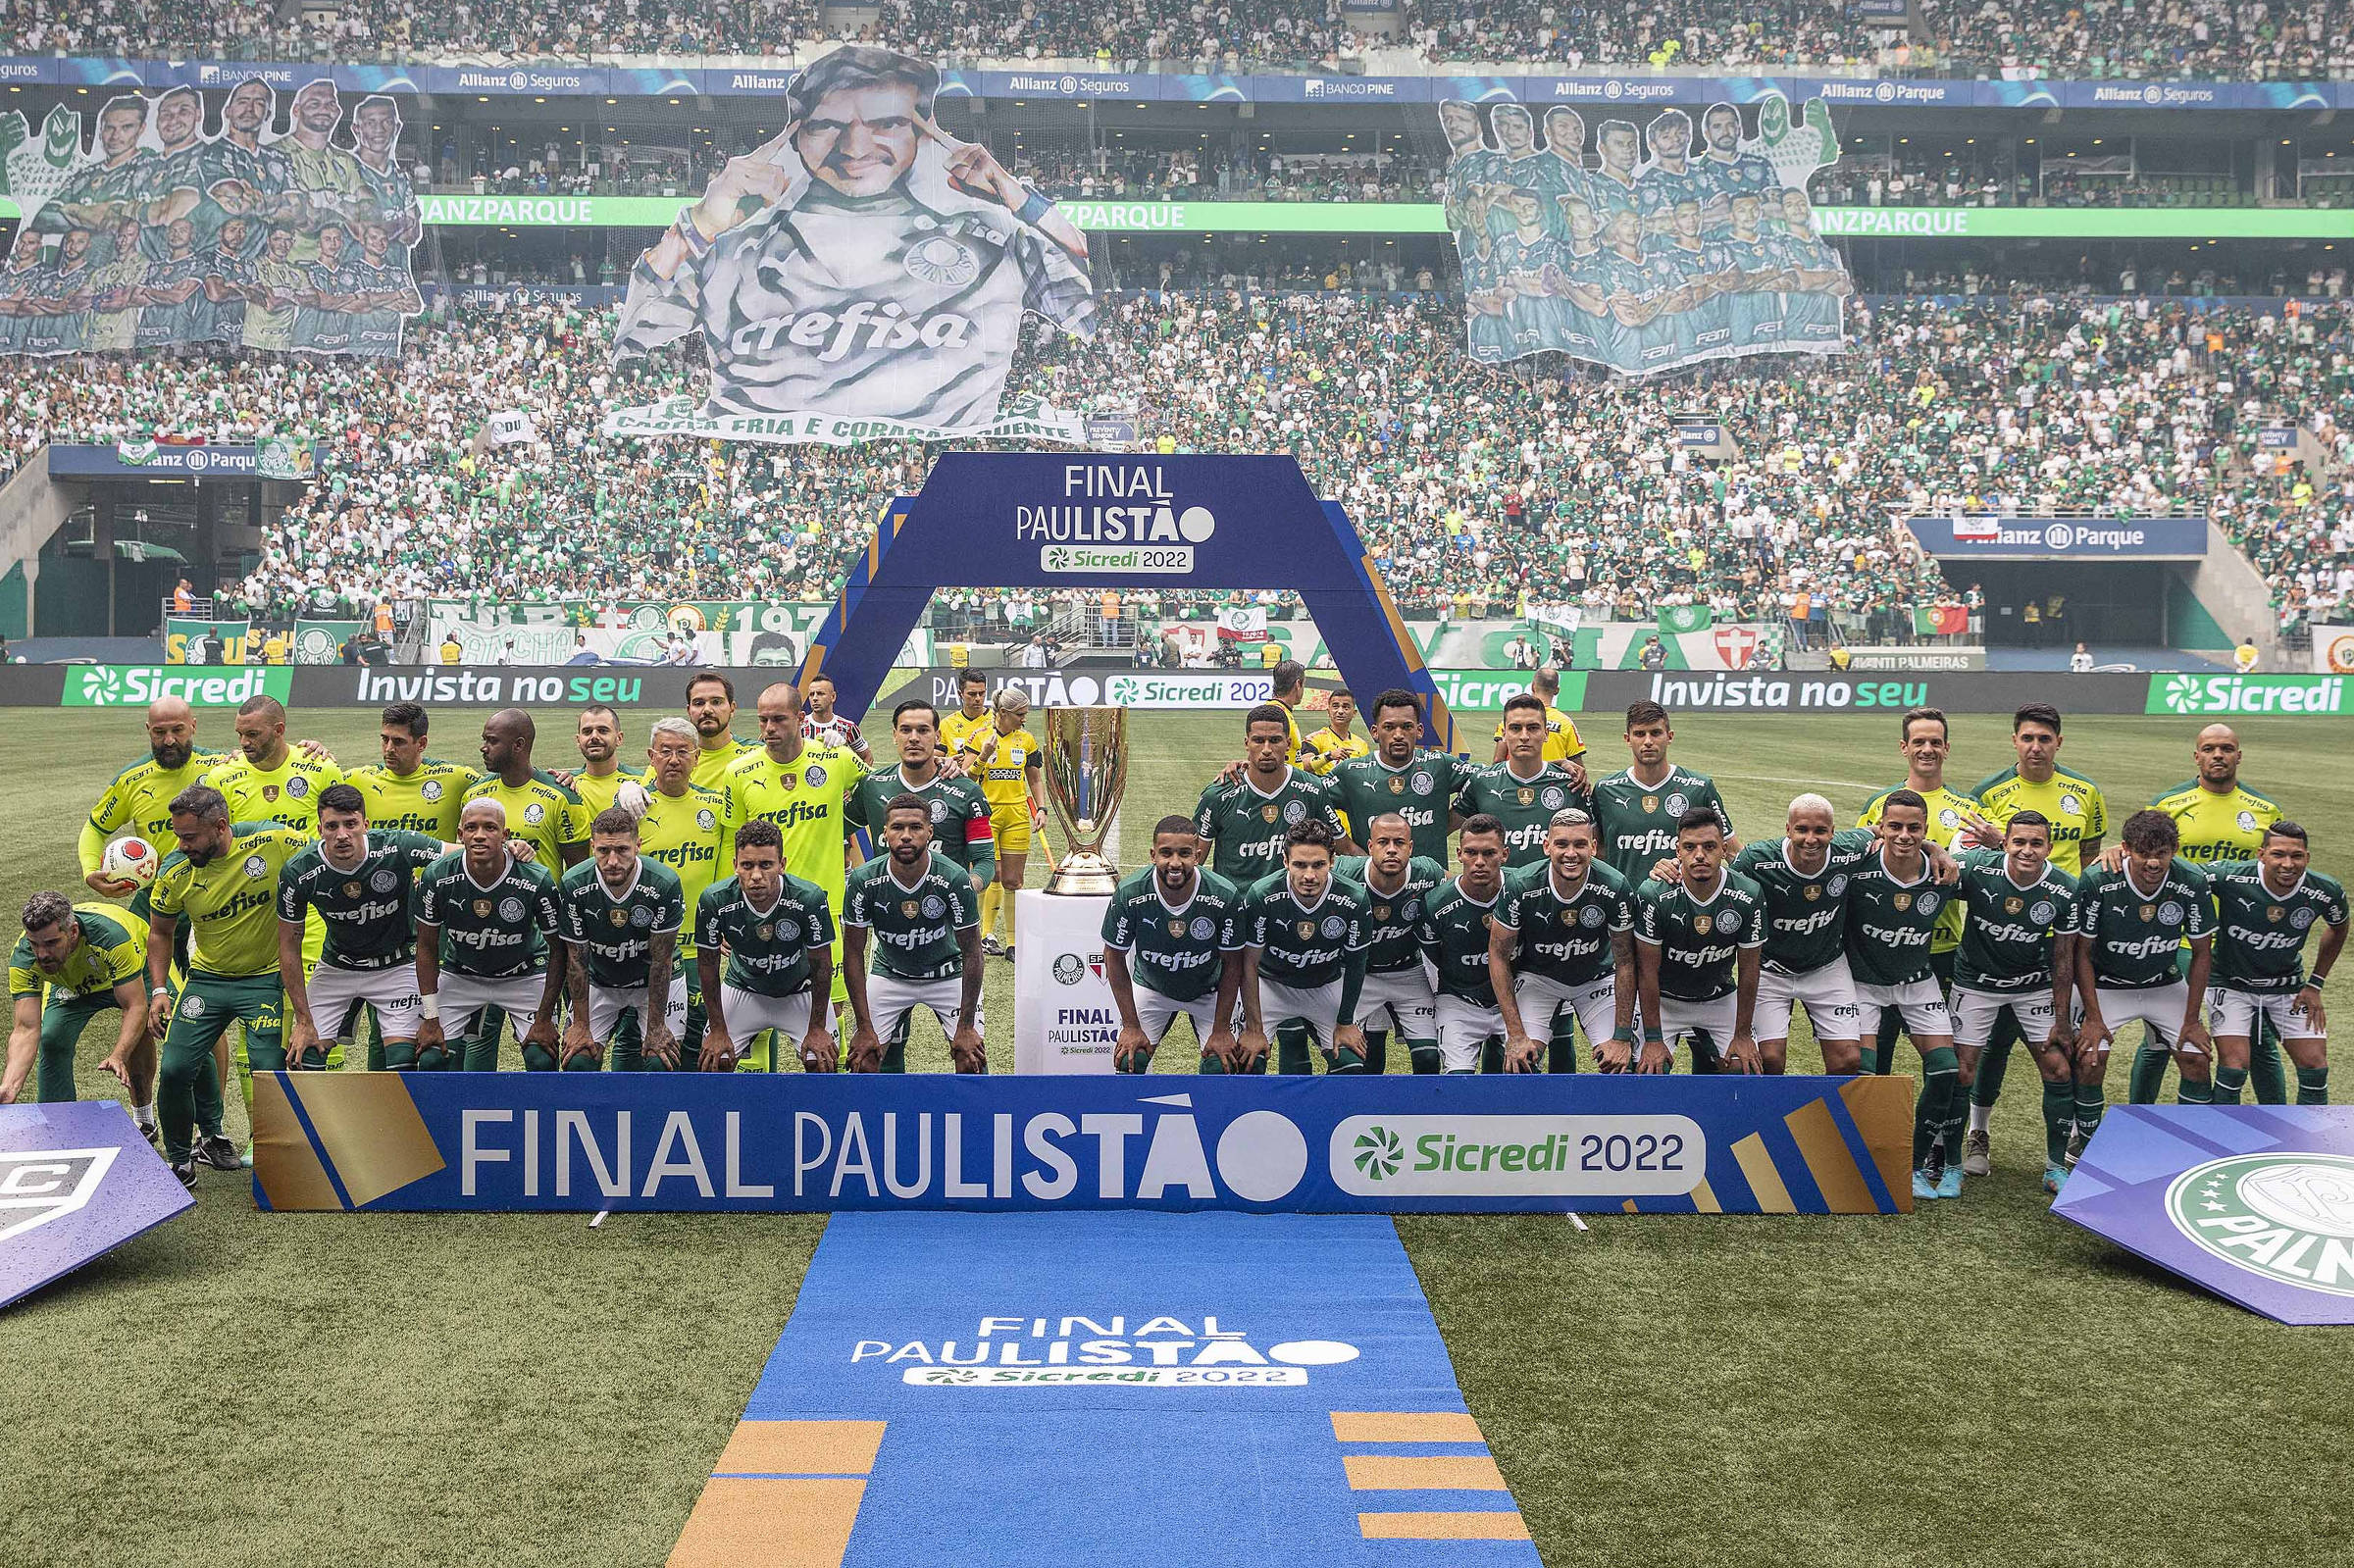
(960, 813)
(1397, 997)
(2129, 924)
(1171, 947)
(801, 787)
(1924, 743)
(223, 880)
(2018, 960)
(139, 797)
(2223, 824)
(1697, 945)
(1245, 821)
(622, 916)
(355, 881)
(408, 792)
(925, 920)
(679, 826)
(778, 935)
(2264, 909)
(1399, 775)
(1804, 875)
(597, 735)
(2079, 815)
(1524, 791)
(489, 947)
(272, 781)
(1641, 808)
(1893, 904)
(1303, 955)
(1454, 935)
(711, 709)
(71, 964)
(545, 814)
(1562, 954)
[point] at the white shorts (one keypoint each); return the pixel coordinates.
(2235, 1012)
(1679, 1018)
(2160, 1007)
(336, 995)
(889, 1000)
(1316, 1006)
(605, 1008)
(1464, 1030)
(1155, 1012)
(464, 996)
(1403, 1003)
(1976, 1012)
(1541, 998)
(1827, 992)
(749, 1012)
(1920, 1003)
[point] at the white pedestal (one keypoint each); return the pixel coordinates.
(1063, 1016)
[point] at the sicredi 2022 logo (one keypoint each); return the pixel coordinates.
(1116, 517)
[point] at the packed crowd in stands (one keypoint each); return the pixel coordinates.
(2207, 39)
(1477, 489)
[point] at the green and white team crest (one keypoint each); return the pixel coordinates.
(2288, 1217)
(134, 685)
(1379, 1152)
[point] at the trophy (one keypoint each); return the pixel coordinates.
(1086, 769)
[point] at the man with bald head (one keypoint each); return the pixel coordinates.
(1804, 875)
(542, 812)
(139, 797)
(272, 781)
(800, 784)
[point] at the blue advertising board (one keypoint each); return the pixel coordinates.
(77, 1180)
(75, 461)
(753, 1144)
(2254, 1203)
(542, 79)
(1988, 537)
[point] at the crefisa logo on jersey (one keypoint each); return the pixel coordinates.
(2288, 1216)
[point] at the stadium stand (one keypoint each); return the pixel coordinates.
(1476, 488)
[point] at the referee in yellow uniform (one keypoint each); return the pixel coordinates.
(1561, 740)
(1006, 760)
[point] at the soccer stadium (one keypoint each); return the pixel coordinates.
(1558, 785)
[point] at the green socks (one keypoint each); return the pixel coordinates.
(2194, 1091)
(1940, 1071)
(2228, 1081)
(2149, 1073)
(2091, 1100)
(2313, 1086)
(2059, 1115)
(2264, 1066)
(1993, 1062)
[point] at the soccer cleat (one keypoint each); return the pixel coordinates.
(991, 947)
(1010, 952)
(1977, 1153)
(1924, 1188)
(219, 1154)
(2054, 1178)
(185, 1169)
(1950, 1184)
(2076, 1147)
(1932, 1173)
(154, 1132)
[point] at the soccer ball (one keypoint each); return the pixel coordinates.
(131, 861)
(631, 797)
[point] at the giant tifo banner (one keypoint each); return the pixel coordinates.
(757, 1144)
(264, 234)
(861, 275)
(745, 633)
(1685, 243)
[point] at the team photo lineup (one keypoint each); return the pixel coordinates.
(733, 904)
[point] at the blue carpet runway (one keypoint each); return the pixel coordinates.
(1205, 1391)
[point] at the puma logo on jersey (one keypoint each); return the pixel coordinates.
(835, 336)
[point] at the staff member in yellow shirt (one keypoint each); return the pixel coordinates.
(1561, 740)
(1007, 761)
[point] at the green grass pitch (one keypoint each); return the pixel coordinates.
(1976, 1383)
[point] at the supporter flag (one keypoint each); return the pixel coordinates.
(1242, 625)
(1675, 618)
(279, 457)
(1679, 243)
(513, 427)
(157, 236)
(1977, 527)
(1940, 620)
(854, 287)
(322, 641)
